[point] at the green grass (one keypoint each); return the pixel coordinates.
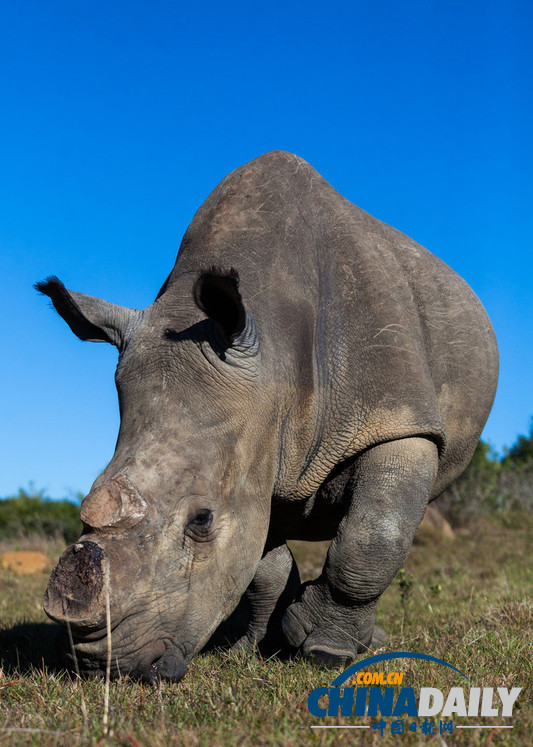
(467, 602)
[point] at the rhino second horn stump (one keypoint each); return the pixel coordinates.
(75, 593)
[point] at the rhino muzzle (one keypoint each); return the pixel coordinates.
(76, 589)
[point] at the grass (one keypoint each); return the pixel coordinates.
(467, 602)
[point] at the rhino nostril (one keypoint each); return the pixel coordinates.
(153, 665)
(162, 665)
(148, 670)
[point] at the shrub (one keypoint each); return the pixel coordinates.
(490, 485)
(34, 514)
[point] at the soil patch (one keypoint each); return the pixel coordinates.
(25, 562)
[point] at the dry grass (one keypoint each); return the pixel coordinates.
(467, 602)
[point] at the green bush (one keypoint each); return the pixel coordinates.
(520, 456)
(516, 480)
(491, 485)
(33, 514)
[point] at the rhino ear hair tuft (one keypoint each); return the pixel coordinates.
(45, 286)
(216, 293)
(65, 304)
(90, 318)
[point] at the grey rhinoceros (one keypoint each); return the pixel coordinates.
(306, 372)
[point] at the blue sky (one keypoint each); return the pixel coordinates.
(118, 118)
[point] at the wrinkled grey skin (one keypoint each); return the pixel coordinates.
(331, 391)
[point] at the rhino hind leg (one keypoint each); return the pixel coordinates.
(332, 620)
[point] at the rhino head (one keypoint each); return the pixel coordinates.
(175, 525)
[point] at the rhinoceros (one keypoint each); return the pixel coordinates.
(305, 372)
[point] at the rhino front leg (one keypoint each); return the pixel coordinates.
(274, 586)
(333, 618)
(257, 618)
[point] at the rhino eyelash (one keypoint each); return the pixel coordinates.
(199, 528)
(202, 520)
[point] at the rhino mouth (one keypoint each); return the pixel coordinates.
(156, 660)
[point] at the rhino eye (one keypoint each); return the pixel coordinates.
(199, 525)
(203, 518)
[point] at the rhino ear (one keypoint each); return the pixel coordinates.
(88, 317)
(216, 293)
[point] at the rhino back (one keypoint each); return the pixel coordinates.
(365, 335)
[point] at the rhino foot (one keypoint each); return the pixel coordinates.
(379, 637)
(330, 657)
(272, 644)
(328, 633)
(274, 586)
(255, 624)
